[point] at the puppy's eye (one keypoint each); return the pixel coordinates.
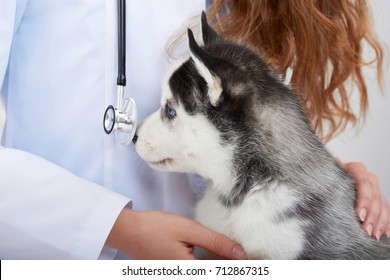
(170, 112)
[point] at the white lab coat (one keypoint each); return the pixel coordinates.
(63, 181)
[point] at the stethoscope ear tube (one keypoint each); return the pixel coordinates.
(123, 118)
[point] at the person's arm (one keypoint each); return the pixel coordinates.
(161, 235)
(371, 207)
(48, 213)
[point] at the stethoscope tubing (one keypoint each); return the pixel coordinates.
(121, 80)
(121, 119)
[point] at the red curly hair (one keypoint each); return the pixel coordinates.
(320, 40)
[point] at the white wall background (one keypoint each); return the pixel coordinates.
(371, 145)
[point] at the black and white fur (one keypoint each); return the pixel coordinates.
(274, 188)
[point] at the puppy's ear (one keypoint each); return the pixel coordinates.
(203, 63)
(209, 35)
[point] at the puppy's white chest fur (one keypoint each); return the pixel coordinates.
(258, 223)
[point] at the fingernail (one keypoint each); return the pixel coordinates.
(378, 234)
(363, 214)
(369, 229)
(239, 253)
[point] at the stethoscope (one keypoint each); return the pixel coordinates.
(121, 119)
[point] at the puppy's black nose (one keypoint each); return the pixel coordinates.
(134, 138)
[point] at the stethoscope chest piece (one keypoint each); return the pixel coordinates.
(121, 119)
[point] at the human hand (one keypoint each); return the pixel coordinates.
(371, 207)
(161, 235)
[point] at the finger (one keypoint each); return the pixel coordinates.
(357, 168)
(373, 215)
(376, 208)
(369, 197)
(364, 200)
(217, 243)
(380, 226)
(388, 228)
(364, 191)
(363, 187)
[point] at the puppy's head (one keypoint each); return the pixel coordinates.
(205, 108)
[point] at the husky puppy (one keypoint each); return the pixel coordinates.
(273, 186)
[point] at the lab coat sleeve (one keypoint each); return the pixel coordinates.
(49, 213)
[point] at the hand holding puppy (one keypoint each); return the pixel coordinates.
(162, 235)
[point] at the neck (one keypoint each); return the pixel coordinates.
(233, 182)
(221, 177)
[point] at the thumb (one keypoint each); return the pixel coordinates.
(218, 244)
